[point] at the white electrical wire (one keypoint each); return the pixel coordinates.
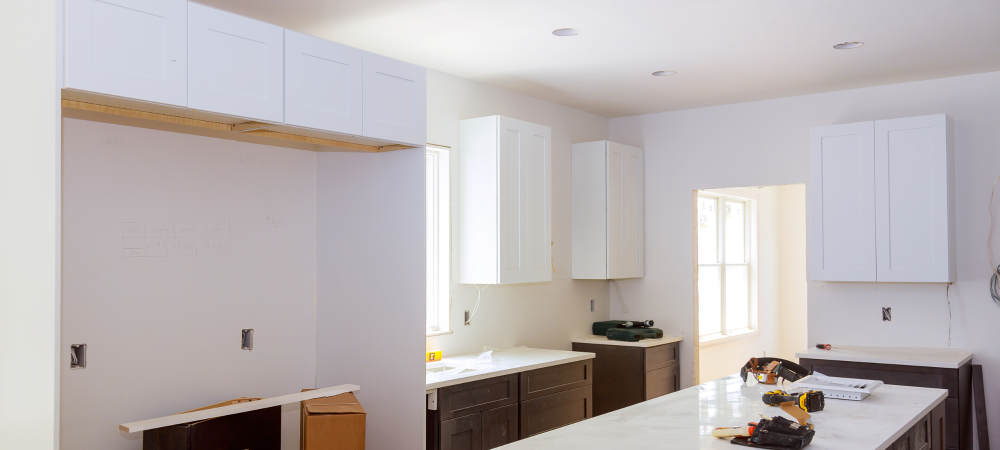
(475, 308)
(621, 300)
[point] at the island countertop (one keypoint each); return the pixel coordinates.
(504, 362)
(946, 358)
(685, 419)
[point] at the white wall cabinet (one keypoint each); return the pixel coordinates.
(505, 202)
(608, 211)
(881, 201)
(395, 100)
(323, 86)
(235, 65)
(128, 48)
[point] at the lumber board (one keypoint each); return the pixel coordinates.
(313, 140)
(979, 395)
(203, 414)
(124, 112)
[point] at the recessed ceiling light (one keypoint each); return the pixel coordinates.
(848, 45)
(664, 73)
(566, 32)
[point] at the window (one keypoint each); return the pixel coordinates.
(438, 196)
(726, 297)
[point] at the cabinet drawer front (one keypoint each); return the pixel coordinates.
(499, 426)
(661, 356)
(463, 433)
(553, 411)
(662, 381)
(549, 380)
(469, 398)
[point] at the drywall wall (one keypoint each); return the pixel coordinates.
(29, 199)
(172, 244)
(766, 142)
(792, 280)
(543, 315)
(779, 233)
(370, 305)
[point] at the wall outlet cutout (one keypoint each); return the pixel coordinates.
(467, 318)
(591, 305)
(887, 314)
(246, 341)
(78, 356)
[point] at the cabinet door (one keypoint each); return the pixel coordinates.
(499, 427)
(842, 202)
(322, 84)
(128, 48)
(463, 433)
(524, 196)
(913, 167)
(235, 66)
(626, 258)
(395, 100)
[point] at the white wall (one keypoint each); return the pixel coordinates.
(780, 232)
(163, 333)
(766, 142)
(544, 315)
(29, 251)
(370, 305)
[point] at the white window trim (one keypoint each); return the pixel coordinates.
(439, 245)
(753, 332)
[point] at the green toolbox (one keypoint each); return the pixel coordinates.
(627, 330)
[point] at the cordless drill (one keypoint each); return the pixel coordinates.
(810, 401)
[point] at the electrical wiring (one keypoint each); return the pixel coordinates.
(475, 308)
(995, 278)
(621, 300)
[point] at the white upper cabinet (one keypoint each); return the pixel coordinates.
(608, 211)
(913, 199)
(880, 201)
(395, 100)
(505, 203)
(235, 64)
(128, 48)
(323, 86)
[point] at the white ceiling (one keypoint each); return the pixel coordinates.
(725, 51)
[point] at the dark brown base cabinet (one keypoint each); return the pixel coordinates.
(958, 382)
(488, 413)
(626, 375)
(928, 433)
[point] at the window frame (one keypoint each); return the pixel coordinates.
(438, 207)
(749, 199)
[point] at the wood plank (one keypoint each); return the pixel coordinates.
(313, 140)
(979, 396)
(389, 148)
(146, 115)
(203, 414)
(250, 126)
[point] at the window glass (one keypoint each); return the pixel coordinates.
(709, 300)
(737, 298)
(735, 233)
(708, 231)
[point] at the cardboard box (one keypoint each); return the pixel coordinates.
(252, 430)
(333, 423)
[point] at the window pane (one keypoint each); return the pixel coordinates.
(708, 231)
(735, 233)
(737, 298)
(709, 300)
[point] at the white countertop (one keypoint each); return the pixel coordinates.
(685, 419)
(506, 362)
(947, 358)
(603, 340)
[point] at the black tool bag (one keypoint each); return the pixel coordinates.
(778, 433)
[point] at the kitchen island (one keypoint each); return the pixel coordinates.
(685, 420)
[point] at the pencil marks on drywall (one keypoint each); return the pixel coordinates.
(251, 159)
(117, 142)
(162, 239)
(275, 220)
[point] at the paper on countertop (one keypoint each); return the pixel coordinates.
(483, 358)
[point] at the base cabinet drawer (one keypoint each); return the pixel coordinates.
(500, 426)
(553, 411)
(663, 381)
(463, 433)
(464, 399)
(549, 380)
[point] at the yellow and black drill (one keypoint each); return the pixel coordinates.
(810, 401)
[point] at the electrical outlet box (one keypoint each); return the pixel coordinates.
(78, 356)
(591, 305)
(246, 342)
(887, 314)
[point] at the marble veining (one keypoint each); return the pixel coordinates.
(946, 358)
(685, 420)
(505, 362)
(603, 340)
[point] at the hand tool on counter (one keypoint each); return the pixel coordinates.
(777, 433)
(809, 401)
(769, 370)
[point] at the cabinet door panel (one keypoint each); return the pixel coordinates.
(842, 203)
(553, 411)
(912, 166)
(395, 100)
(236, 65)
(524, 208)
(322, 84)
(499, 426)
(128, 48)
(625, 211)
(463, 433)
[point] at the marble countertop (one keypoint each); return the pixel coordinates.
(504, 362)
(603, 340)
(946, 358)
(685, 419)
